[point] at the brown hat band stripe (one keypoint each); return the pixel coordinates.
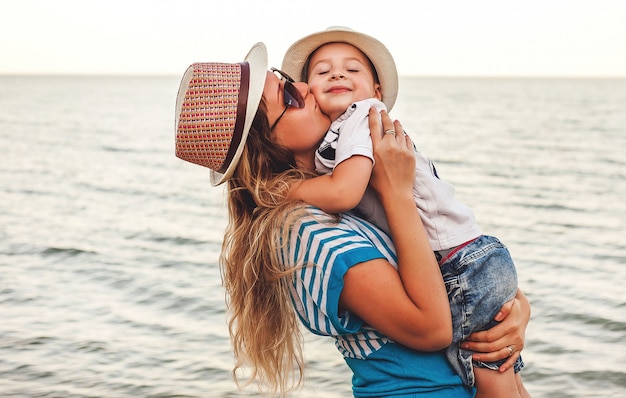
(242, 104)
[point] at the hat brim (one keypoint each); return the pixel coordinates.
(257, 59)
(298, 54)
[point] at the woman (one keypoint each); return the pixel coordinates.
(383, 302)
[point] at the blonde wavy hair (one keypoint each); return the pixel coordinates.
(263, 327)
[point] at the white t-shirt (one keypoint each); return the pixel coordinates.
(448, 222)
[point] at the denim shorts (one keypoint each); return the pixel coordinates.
(480, 277)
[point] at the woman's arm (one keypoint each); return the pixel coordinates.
(409, 305)
(492, 345)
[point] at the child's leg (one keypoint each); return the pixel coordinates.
(493, 384)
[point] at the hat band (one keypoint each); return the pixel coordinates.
(242, 104)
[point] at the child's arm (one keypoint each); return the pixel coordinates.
(337, 192)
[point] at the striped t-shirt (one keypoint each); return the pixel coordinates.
(323, 248)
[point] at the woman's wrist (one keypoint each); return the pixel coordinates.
(396, 200)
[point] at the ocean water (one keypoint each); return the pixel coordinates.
(109, 285)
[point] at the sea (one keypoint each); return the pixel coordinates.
(109, 244)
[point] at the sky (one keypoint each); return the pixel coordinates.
(564, 38)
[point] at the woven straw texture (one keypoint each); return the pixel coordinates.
(208, 114)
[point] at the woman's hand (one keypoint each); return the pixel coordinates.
(394, 160)
(493, 344)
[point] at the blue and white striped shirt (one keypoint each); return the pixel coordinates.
(328, 248)
(322, 248)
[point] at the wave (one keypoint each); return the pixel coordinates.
(65, 251)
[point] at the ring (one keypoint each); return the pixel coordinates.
(511, 351)
(390, 131)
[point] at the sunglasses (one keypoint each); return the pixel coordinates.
(291, 95)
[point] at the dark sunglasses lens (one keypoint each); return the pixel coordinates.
(293, 96)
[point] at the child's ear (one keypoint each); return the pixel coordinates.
(378, 92)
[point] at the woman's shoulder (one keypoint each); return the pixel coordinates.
(310, 228)
(313, 218)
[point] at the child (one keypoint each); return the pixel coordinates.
(348, 73)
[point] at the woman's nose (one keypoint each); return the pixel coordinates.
(303, 88)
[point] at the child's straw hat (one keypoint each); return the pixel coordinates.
(297, 57)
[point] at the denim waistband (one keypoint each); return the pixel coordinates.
(443, 255)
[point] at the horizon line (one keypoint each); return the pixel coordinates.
(413, 75)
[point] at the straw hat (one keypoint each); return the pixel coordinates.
(215, 106)
(297, 57)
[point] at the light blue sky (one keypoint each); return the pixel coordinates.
(434, 37)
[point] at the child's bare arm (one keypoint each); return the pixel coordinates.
(340, 191)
